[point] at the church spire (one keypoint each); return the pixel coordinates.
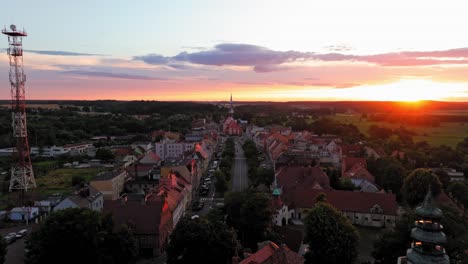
(231, 108)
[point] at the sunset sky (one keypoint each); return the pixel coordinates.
(258, 50)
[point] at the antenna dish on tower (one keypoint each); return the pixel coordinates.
(13, 27)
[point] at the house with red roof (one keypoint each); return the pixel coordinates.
(359, 172)
(177, 193)
(361, 208)
(271, 253)
(150, 221)
(348, 163)
(150, 158)
(289, 178)
(351, 150)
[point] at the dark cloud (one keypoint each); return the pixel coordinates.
(266, 60)
(241, 55)
(111, 75)
(271, 68)
(153, 59)
(61, 53)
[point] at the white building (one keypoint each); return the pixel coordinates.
(169, 148)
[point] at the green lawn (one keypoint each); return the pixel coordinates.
(446, 134)
(59, 181)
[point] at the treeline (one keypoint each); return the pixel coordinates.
(69, 124)
(416, 119)
(223, 175)
(257, 175)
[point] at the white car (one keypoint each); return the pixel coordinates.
(10, 238)
(21, 233)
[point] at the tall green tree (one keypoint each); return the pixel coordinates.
(250, 213)
(392, 178)
(416, 184)
(393, 243)
(331, 237)
(81, 236)
(201, 240)
(104, 154)
(459, 191)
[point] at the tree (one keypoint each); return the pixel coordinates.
(265, 176)
(104, 154)
(77, 180)
(331, 237)
(392, 178)
(199, 239)
(416, 184)
(459, 191)
(3, 250)
(221, 184)
(83, 236)
(250, 213)
(393, 243)
(443, 176)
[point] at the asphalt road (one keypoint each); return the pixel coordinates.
(240, 180)
(15, 254)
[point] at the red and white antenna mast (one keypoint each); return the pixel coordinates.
(22, 177)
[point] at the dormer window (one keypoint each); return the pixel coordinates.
(376, 209)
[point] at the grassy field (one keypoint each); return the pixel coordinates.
(59, 181)
(446, 134)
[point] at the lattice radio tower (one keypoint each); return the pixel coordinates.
(22, 177)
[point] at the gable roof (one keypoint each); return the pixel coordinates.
(347, 201)
(351, 150)
(144, 217)
(358, 171)
(290, 177)
(291, 237)
(150, 158)
(122, 151)
(349, 162)
(272, 254)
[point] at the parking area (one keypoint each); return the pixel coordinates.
(15, 253)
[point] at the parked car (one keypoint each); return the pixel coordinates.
(197, 206)
(10, 238)
(22, 233)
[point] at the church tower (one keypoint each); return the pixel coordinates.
(231, 108)
(427, 236)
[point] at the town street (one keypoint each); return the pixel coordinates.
(15, 253)
(240, 180)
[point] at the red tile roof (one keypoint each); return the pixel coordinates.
(122, 151)
(359, 172)
(349, 162)
(277, 203)
(346, 201)
(290, 177)
(144, 217)
(274, 254)
(351, 150)
(291, 237)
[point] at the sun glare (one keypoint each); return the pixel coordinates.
(405, 90)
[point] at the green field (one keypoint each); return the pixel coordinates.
(446, 134)
(59, 181)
